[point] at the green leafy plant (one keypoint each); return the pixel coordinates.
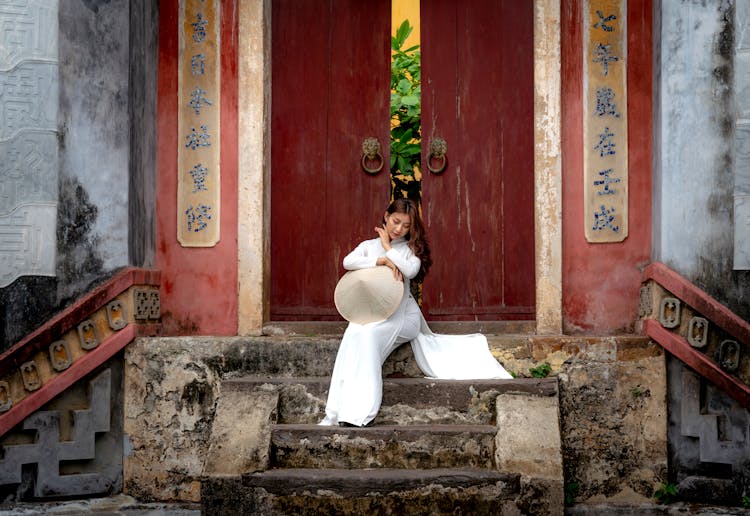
(666, 493)
(746, 501)
(406, 113)
(636, 391)
(571, 490)
(541, 371)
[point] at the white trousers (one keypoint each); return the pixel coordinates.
(356, 389)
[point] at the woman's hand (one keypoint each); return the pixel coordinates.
(388, 263)
(385, 239)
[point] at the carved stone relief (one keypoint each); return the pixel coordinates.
(29, 85)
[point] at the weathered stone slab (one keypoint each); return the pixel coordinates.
(379, 491)
(528, 437)
(241, 432)
(392, 446)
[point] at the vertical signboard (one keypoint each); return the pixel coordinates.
(605, 121)
(198, 126)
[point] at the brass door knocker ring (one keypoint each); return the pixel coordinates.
(370, 153)
(438, 149)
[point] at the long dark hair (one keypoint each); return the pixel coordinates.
(417, 237)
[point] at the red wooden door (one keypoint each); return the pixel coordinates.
(330, 90)
(477, 94)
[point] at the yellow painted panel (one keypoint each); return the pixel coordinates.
(406, 10)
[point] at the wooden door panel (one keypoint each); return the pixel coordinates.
(477, 87)
(330, 82)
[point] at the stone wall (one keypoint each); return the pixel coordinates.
(614, 421)
(105, 144)
(697, 165)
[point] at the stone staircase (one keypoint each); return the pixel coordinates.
(436, 447)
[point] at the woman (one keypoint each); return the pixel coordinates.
(355, 393)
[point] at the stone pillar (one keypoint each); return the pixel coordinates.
(254, 149)
(547, 167)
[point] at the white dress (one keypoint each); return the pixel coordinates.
(356, 389)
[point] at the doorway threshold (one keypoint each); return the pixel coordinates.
(336, 328)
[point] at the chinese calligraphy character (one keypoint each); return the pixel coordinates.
(604, 219)
(602, 55)
(195, 140)
(606, 181)
(198, 173)
(199, 29)
(197, 100)
(605, 102)
(197, 217)
(606, 146)
(602, 23)
(197, 64)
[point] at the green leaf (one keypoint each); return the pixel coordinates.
(404, 85)
(410, 100)
(403, 165)
(403, 32)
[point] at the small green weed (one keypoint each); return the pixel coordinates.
(571, 490)
(666, 493)
(541, 371)
(636, 391)
(746, 501)
(513, 374)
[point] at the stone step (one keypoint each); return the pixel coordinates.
(303, 355)
(386, 446)
(371, 491)
(405, 400)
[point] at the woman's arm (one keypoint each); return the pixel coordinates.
(360, 258)
(403, 258)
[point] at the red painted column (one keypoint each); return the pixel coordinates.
(199, 285)
(601, 281)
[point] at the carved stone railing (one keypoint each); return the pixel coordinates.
(76, 342)
(697, 329)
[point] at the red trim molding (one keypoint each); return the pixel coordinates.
(682, 349)
(699, 300)
(53, 329)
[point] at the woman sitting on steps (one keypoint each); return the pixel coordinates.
(356, 389)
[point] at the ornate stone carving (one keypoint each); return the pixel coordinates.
(728, 355)
(29, 82)
(59, 355)
(697, 334)
(6, 401)
(48, 450)
(88, 335)
(32, 380)
(669, 312)
(147, 305)
(645, 302)
(116, 315)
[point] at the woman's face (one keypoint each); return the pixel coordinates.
(397, 224)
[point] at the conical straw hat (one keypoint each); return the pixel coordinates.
(368, 295)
